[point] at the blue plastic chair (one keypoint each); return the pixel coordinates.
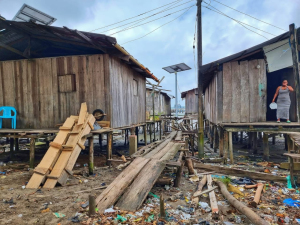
(7, 114)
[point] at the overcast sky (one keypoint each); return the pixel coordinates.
(172, 43)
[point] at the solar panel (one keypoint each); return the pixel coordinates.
(28, 13)
(177, 68)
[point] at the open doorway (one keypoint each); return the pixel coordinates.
(274, 80)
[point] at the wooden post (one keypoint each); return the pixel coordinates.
(259, 135)
(254, 142)
(154, 131)
(226, 144)
(215, 138)
(230, 147)
(290, 144)
(145, 134)
(221, 142)
(160, 130)
(17, 148)
(293, 45)
(266, 146)
(92, 205)
(132, 144)
(162, 207)
(163, 128)
(292, 171)
(91, 155)
(100, 141)
(285, 142)
(109, 148)
(192, 143)
(32, 152)
(11, 146)
(250, 139)
(150, 132)
(211, 134)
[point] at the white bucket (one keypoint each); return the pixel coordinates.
(273, 105)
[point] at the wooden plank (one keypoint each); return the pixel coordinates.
(236, 92)
(239, 172)
(137, 192)
(110, 195)
(51, 156)
(245, 92)
(212, 199)
(253, 90)
(219, 97)
(227, 92)
(82, 114)
(178, 136)
(262, 91)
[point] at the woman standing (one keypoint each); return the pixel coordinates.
(283, 101)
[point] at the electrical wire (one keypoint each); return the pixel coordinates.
(249, 15)
(160, 26)
(195, 67)
(142, 19)
(135, 16)
(152, 20)
(239, 22)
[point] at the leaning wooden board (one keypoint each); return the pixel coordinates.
(51, 155)
(71, 144)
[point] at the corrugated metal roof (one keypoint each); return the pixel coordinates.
(50, 41)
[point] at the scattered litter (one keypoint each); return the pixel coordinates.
(85, 205)
(20, 215)
(153, 195)
(194, 178)
(23, 187)
(109, 210)
(167, 187)
(291, 202)
(185, 216)
(120, 219)
(45, 210)
(150, 218)
(205, 206)
(59, 215)
(85, 181)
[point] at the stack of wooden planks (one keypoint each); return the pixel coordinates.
(63, 152)
(135, 182)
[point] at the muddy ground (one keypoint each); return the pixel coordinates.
(23, 206)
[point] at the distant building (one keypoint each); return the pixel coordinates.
(191, 101)
(162, 103)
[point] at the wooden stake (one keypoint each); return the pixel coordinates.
(17, 144)
(179, 171)
(109, 147)
(92, 205)
(189, 164)
(256, 200)
(132, 144)
(150, 132)
(266, 146)
(221, 142)
(100, 141)
(145, 134)
(32, 151)
(252, 216)
(91, 155)
(215, 143)
(241, 137)
(230, 147)
(160, 130)
(162, 207)
(273, 139)
(195, 199)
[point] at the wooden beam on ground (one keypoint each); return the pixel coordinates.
(252, 216)
(110, 195)
(212, 199)
(239, 173)
(201, 184)
(178, 136)
(189, 164)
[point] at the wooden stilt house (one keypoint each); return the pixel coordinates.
(239, 88)
(162, 103)
(191, 101)
(46, 72)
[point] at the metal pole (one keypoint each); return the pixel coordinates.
(176, 100)
(200, 82)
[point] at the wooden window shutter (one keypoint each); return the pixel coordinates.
(67, 83)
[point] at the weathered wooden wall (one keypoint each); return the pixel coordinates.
(191, 102)
(238, 94)
(31, 86)
(213, 104)
(127, 107)
(162, 103)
